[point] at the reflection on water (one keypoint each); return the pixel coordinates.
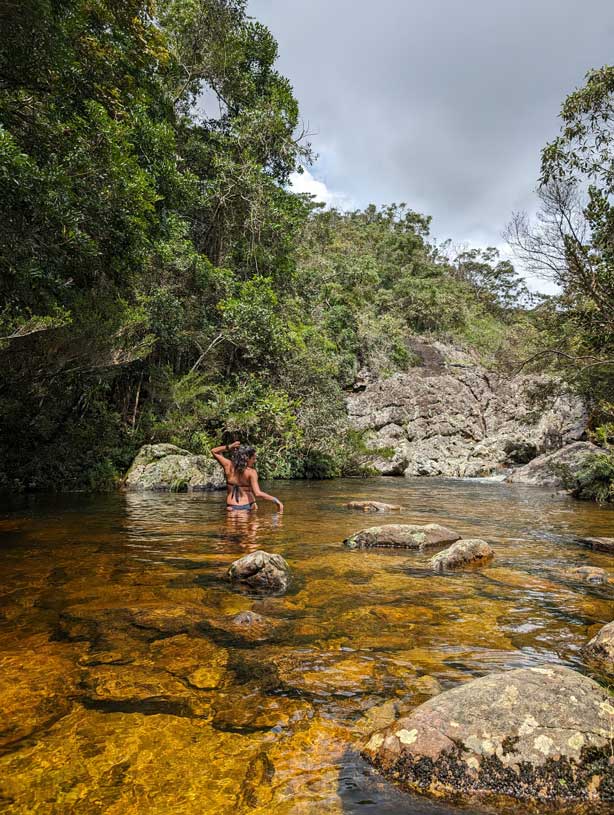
(130, 685)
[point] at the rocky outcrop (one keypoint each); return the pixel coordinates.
(600, 649)
(518, 733)
(449, 416)
(166, 467)
(261, 572)
(470, 552)
(554, 469)
(373, 506)
(401, 536)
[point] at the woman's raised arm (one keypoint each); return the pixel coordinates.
(216, 452)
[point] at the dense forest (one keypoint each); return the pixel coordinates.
(161, 281)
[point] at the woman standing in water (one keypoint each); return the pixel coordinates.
(241, 477)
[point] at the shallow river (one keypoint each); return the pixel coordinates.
(126, 687)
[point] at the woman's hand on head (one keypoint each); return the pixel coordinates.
(234, 445)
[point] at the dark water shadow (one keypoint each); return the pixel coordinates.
(362, 791)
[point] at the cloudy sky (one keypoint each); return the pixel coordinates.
(443, 104)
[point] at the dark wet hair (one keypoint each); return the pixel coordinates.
(241, 456)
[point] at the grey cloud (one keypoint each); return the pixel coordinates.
(443, 104)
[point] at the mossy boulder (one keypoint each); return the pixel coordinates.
(164, 467)
(542, 733)
(402, 536)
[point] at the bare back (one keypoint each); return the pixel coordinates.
(239, 489)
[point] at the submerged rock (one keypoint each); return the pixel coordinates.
(248, 626)
(601, 649)
(550, 469)
(590, 574)
(598, 544)
(262, 572)
(534, 733)
(401, 536)
(372, 506)
(470, 552)
(164, 467)
(37, 687)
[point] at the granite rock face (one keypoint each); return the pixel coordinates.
(600, 649)
(164, 467)
(449, 416)
(516, 733)
(469, 552)
(262, 572)
(401, 536)
(547, 470)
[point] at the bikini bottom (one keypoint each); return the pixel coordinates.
(245, 507)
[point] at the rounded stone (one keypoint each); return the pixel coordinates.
(470, 552)
(519, 734)
(262, 572)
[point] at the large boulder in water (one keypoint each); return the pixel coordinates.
(166, 467)
(553, 469)
(600, 649)
(262, 572)
(401, 536)
(534, 733)
(469, 552)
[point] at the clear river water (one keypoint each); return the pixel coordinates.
(128, 686)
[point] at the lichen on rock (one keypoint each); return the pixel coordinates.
(401, 536)
(533, 733)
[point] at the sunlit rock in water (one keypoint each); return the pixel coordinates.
(167, 467)
(107, 763)
(401, 536)
(470, 552)
(373, 506)
(262, 572)
(600, 649)
(534, 733)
